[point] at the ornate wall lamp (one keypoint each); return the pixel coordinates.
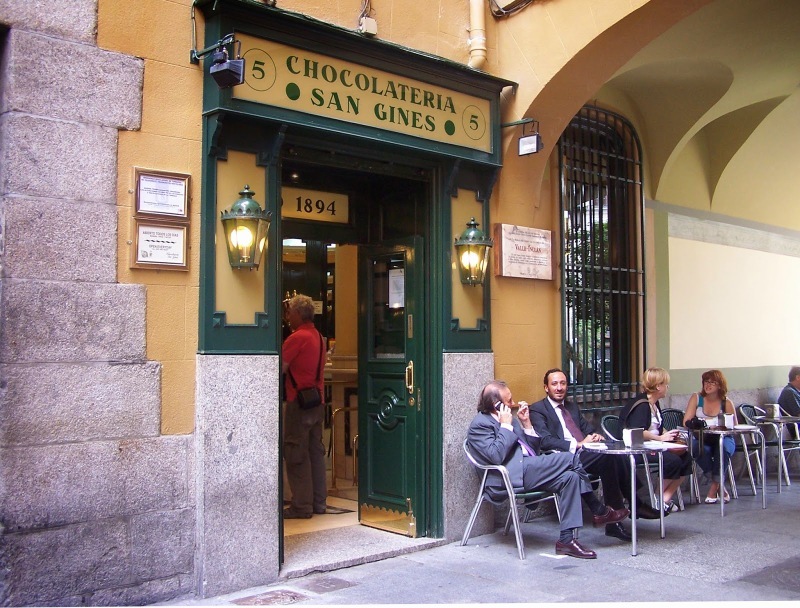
(472, 252)
(246, 226)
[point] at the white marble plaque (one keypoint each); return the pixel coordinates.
(523, 252)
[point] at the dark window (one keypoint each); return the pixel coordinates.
(602, 257)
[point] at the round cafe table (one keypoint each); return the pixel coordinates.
(740, 429)
(618, 448)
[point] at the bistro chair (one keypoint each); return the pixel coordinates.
(526, 499)
(750, 413)
(671, 419)
(612, 427)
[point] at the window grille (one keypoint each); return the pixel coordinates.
(602, 258)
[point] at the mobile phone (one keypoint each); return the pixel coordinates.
(497, 405)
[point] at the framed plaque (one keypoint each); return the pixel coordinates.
(159, 245)
(523, 252)
(162, 193)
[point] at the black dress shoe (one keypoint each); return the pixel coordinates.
(574, 549)
(668, 507)
(292, 513)
(617, 531)
(644, 511)
(611, 516)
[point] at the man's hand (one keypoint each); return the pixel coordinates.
(504, 414)
(524, 415)
(593, 438)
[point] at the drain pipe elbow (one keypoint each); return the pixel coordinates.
(477, 34)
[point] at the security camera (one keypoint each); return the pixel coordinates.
(226, 72)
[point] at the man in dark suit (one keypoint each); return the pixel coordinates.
(495, 436)
(552, 418)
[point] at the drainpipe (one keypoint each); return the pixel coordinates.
(477, 34)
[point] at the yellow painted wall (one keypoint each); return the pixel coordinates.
(736, 309)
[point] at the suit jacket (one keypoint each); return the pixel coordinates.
(490, 443)
(548, 426)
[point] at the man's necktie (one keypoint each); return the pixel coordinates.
(571, 426)
(527, 450)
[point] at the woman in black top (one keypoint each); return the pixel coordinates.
(643, 412)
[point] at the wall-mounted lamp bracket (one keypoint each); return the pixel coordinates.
(531, 140)
(220, 45)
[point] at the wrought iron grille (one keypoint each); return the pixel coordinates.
(602, 258)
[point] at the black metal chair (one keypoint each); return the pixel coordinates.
(749, 413)
(672, 418)
(519, 496)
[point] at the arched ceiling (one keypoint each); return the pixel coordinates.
(708, 84)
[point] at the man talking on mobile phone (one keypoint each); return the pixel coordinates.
(496, 436)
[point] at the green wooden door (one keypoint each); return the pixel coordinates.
(391, 367)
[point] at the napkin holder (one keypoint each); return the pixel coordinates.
(633, 438)
(730, 421)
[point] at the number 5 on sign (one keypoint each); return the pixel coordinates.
(314, 205)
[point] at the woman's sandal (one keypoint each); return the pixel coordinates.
(712, 500)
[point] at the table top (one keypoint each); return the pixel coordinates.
(738, 430)
(777, 419)
(618, 447)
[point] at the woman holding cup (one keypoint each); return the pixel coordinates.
(707, 405)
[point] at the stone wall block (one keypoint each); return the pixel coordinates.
(237, 448)
(58, 159)
(92, 86)
(75, 19)
(57, 403)
(64, 562)
(64, 484)
(81, 240)
(143, 594)
(162, 544)
(45, 321)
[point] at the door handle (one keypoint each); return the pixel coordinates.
(410, 377)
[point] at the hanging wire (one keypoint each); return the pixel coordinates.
(366, 9)
(497, 11)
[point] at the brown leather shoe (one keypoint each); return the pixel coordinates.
(611, 516)
(574, 549)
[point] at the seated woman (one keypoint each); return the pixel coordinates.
(707, 404)
(644, 412)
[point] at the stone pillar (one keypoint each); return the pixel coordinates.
(238, 472)
(465, 374)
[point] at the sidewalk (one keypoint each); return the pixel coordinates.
(749, 555)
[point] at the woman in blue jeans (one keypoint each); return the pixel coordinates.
(707, 405)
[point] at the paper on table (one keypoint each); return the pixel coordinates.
(596, 446)
(746, 427)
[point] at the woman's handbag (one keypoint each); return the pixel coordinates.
(309, 398)
(696, 424)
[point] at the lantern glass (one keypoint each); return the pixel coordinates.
(245, 227)
(472, 249)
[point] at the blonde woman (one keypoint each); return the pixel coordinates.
(644, 412)
(711, 401)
